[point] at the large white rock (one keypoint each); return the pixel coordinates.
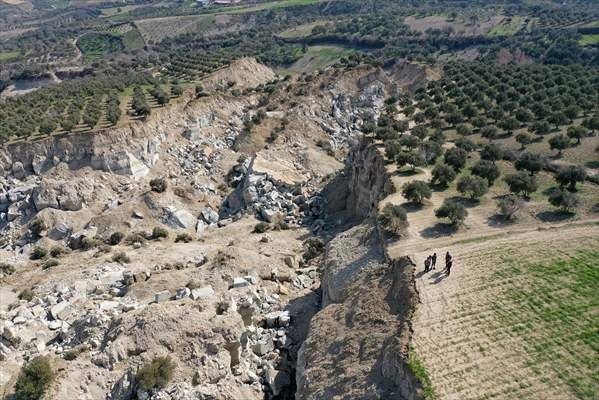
(180, 218)
(162, 296)
(202, 293)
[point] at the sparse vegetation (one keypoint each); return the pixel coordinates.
(52, 262)
(121, 258)
(393, 219)
(37, 226)
(183, 237)
(261, 227)
(158, 185)
(7, 269)
(38, 253)
(116, 238)
(26, 294)
(508, 206)
(57, 251)
(35, 378)
(156, 374)
(159, 233)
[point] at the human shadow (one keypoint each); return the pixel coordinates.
(440, 229)
(438, 276)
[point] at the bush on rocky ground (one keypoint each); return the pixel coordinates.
(158, 185)
(116, 238)
(393, 219)
(183, 237)
(121, 257)
(38, 253)
(57, 251)
(34, 379)
(135, 237)
(313, 247)
(156, 374)
(159, 233)
(50, 263)
(26, 294)
(7, 269)
(37, 226)
(261, 227)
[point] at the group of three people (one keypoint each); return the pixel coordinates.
(431, 261)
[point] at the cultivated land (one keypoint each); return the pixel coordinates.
(516, 318)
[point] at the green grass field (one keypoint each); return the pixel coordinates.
(508, 26)
(552, 306)
(9, 55)
(318, 57)
(588, 40)
(132, 40)
(266, 6)
(300, 30)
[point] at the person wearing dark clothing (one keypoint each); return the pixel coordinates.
(447, 257)
(448, 266)
(433, 260)
(427, 264)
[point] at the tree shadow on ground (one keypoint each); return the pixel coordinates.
(499, 221)
(411, 207)
(408, 172)
(554, 216)
(592, 164)
(465, 201)
(440, 229)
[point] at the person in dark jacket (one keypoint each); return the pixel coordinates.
(433, 260)
(427, 264)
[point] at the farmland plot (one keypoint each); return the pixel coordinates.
(517, 318)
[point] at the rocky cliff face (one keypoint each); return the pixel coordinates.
(358, 343)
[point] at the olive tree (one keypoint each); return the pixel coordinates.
(472, 186)
(455, 212)
(416, 191)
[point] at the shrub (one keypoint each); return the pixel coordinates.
(559, 143)
(509, 205)
(159, 233)
(57, 251)
(570, 175)
(473, 186)
(393, 219)
(261, 227)
(74, 353)
(116, 238)
(409, 158)
(456, 157)
(34, 379)
(26, 294)
(486, 169)
(416, 191)
(521, 183)
(452, 210)
(442, 174)
(156, 374)
(523, 139)
(158, 185)
(88, 243)
(564, 200)
(313, 247)
(53, 262)
(37, 226)
(576, 132)
(530, 162)
(491, 152)
(121, 257)
(465, 144)
(38, 253)
(7, 269)
(183, 237)
(135, 237)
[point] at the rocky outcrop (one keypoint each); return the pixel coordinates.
(362, 291)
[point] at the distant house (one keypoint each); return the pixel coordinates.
(226, 2)
(202, 3)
